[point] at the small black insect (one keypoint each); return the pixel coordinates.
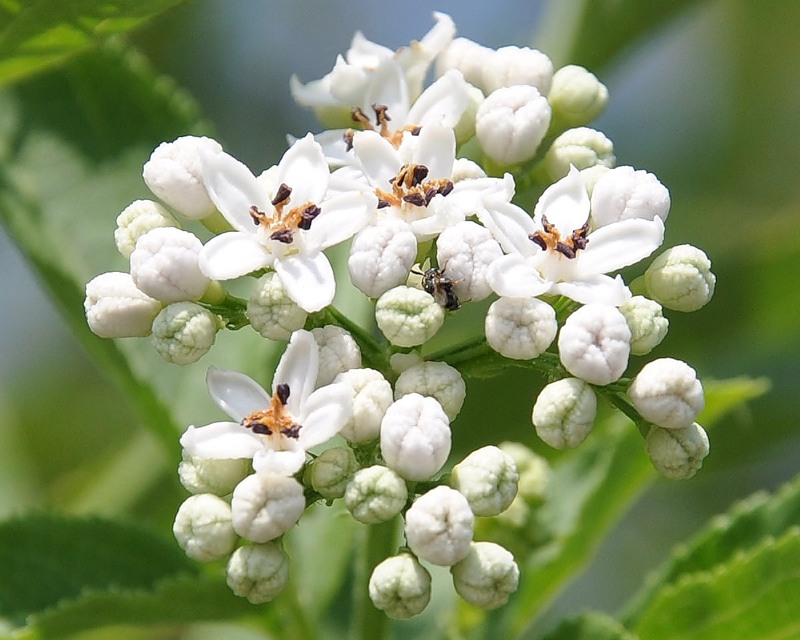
(441, 288)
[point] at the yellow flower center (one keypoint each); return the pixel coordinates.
(275, 422)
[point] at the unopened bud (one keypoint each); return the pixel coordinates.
(116, 308)
(487, 576)
(468, 57)
(624, 193)
(338, 352)
(681, 278)
(400, 587)
(439, 526)
(203, 528)
(375, 494)
(407, 316)
(331, 471)
(466, 250)
(534, 471)
(488, 479)
(437, 380)
(564, 413)
(271, 311)
(512, 65)
(372, 396)
(266, 505)
(576, 96)
(258, 572)
(581, 148)
(667, 393)
(677, 453)
(647, 324)
(139, 217)
(520, 328)
(381, 256)
(212, 475)
(183, 332)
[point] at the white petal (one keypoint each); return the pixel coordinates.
(620, 244)
(597, 288)
(220, 441)
(510, 225)
(342, 217)
(308, 280)
(376, 157)
(233, 254)
(236, 394)
(298, 368)
(325, 412)
(387, 86)
(441, 103)
(233, 189)
(304, 170)
(283, 463)
(513, 276)
(436, 149)
(565, 203)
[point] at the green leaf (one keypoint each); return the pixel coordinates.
(759, 516)
(753, 595)
(41, 33)
(47, 558)
(592, 625)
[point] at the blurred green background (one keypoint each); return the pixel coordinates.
(709, 101)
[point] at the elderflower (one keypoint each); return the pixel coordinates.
(183, 332)
(203, 528)
(116, 308)
(677, 453)
(338, 352)
(139, 217)
(372, 396)
(271, 311)
(439, 526)
(520, 328)
(264, 506)
(258, 572)
(564, 413)
(437, 380)
(487, 576)
(375, 494)
(408, 317)
(667, 393)
(400, 586)
(581, 148)
(576, 95)
(681, 279)
(487, 478)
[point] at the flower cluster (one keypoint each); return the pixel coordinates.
(424, 184)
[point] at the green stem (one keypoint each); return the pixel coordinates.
(378, 543)
(620, 403)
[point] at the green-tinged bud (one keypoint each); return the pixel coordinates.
(576, 96)
(372, 396)
(437, 380)
(647, 324)
(139, 217)
(400, 586)
(488, 479)
(681, 278)
(487, 576)
(258, 572)
(212, 475)
(677, 453)
(564, 413)
(271, 311)
(203, 528)
(183, 332)
(331, 471)
(534, 471)
(375, 494)
(408, 317)
(582, 148)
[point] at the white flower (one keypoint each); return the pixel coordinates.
(415, 437)
(564, 413)
(520, 328)
(435, 379)
(488, 479)
(681, 278)
(372, 396)
(407, 316)
(558, 253)
(183, 332)
(286, 230)
(271, 311)
(139, 217)
(203, 528)
(375, 494)
(576, 95)
(511, 65)
(439, 526)
(275, 431)
(487, 576)
(174, 173)
(338, 352)
(264, 506)
(677, 453)
(623, 193)
(258, 572)
(465, 252)
(667, 393)
(116, 308)
(594, 344)
(581, 148)
(647, 323)
(400, 586)
(511, 123)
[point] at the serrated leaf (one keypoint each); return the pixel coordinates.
(752, 596)
(46, 558)
(592, 625)
(745, 525)
(41, 33)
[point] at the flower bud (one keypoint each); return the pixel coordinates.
(677, 453)
(372, 395)
(258, 572)
(408, 317)
(487, 576)
(511, 65)
(203, 528)
(564, 413)
(465, 252)
(400, 587)
(271, 311)
(331, 471)
(488, 479)
(139, 217)
(576, 96)
(415, 437)
(624, 193)
(437, 380)
(381, 256)
(174, 173)
(375, 494)
(581, 148)
(468, 57)
(164, 265)
(667, 393)
(266, 505)
(647, 324)
(338, 352)
(594, 343)
(115, 308)
(212, 475)
(183, 332)
(511, 123)
(439, 526)
(680, 278)
(534, 471)
(520, 328)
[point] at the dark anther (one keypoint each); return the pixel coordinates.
(565, 250)
(357, 115)
(429, 194)
(382, 203)
(282, 235)
(415, 131)
(292, 432)
(260, 429)
(256, 215)
(418, 174)
(307, 216)
(284, 191)
(446, 188)
(538, 241)
(282, 391)
(415, 198)
(348, 136)
(579, 239)
(381, 113)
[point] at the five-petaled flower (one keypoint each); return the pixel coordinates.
(274, 430)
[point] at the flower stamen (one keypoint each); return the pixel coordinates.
(282, 224)
(549, 239)
(382, 120)
(275, 422)
(409, 185)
